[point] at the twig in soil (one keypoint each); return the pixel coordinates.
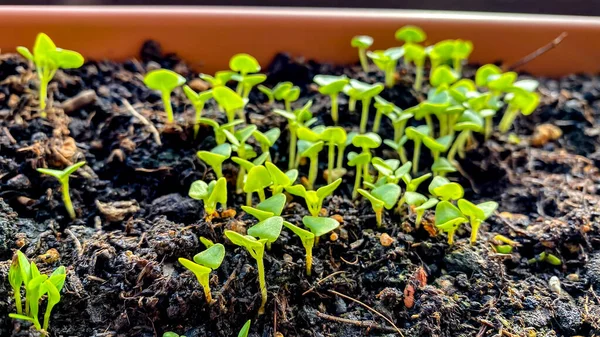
(350, 263)
(322, 280)
(144, 121)
(8, 135)
(539, 52)
(79, 101)
(368, 308)
(76, 241)
(362, 324)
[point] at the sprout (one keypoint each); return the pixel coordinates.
(399, 147)
(382, 196)
(299, 118)
(362, 42)
(310, 148)
(382, 107)
(280, 179)
(48, 59)
(391, 174)
(485, 73)
(416, 135)
(410, 34)
(462, 90)
(165, 81)
(411, 186)
(476, 214)
(267, 139)
(230, 101)
(266, 231)
(219, 130)
(442, 77)
(244, 64)
(205, 262)
(441, 166)
(245, 329)
(171, 334)
(210, 194)
(198, 101)
(219, 80)
(334, 136)
(215, 157)
(460, 54)
(248, 82)
(366, 93)
(466, 124)
(399, 120)
(287, 93)
(314, 199)
(419, 204)
(437, 146)
(331, 86)
(272, 206)
(416, 54)
(258, 179)
(440, 53)
(63, 179)
(243, 150)
(447, 219)
(519, 100)
(386, 60)
(445, 190)
(366, 142)
(318, 226)
(267, 92)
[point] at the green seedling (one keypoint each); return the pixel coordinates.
(333, 136)
(476, 214)
(287, 93)
(382, 107)
(244, 151)
(267, 92)
(359, 161)
(310, 150)
(266, 231)
(410, 34)
(272, 206)
(468, 123)
(258, 179)
(440, 53)
(411, 186)
(388, 164)
(366, 94)
(387, 60)
(546, 257)
(244, 64)
(416, 54)
(331, 86)
(248, 82)
(318, 226)
(460, 54)
(399, 120)
(314, 199)
(211, 194)
(172, 334)
(442, 166)
(448, 218)
(215, 157)
(443, 189)
(382, 196)
(230, 101)
(245, 329)
(198, 100)
(219, 80)
(205, 262)
(419, 204)
(519, 100)
(165, 81)
(442, 77)
(399, 147)
(299, 118)
(219, 130)
(366, 142)
(63, 179)
(437, 146)
(462, 90)
(48, 59)
(392, 174)
(281, 179)
(416, 135)
(362, 43)
(267, 140)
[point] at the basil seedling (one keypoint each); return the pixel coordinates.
(448, 218)
(281, 179)
(63, 179)
(272, 206)
(443, 189)
(205, 262)
(198, 100)
(362, 43)
(299, 118)
(387, 60)
(333, 136)
(476, 214)
(317, 227)
(331, 86)
(267, 140)
(258, 179)
(382, 196)
(314, 199)
(230, 101)
(211, 194)
(366, 94)
(419, 204)
(215, 158)
(165, 81)
(416, 135)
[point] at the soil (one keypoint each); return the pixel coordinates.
(135, 219)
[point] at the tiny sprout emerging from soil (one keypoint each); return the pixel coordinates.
(267, 140)
(476, 214)
(387, 60)
(245, 329)
(399, 147)
(416, 135)
(23, 272)
(546, 257)
(267, 92)
(267, 231)
(211, 193)
(310, 150)
(334, 136)
(468, 123)
(318, 226)
(245, 64)
(63, 179)
(286, 92)
(244, 151)
(443, 77)
(215, 157)
(441, 166)
(48, 59)
(272, 206)
(410, 34)
(248, 82)
(461, 52)
(413, 52)
(437, 146)
(198, 100)
(172, 334)
(230, 101)
(443, 189)
(366, 92)
(391, 174)
(205, 262)
(382, 196)
(165, 81)
(419, 204)
(448, 218)
(220, 79)
(383, 107)
(519, 100)
(362, 43)
(299, 118)
(280, 179)
(366, 142)
(331, 86)
(314, 199)
(258, 179)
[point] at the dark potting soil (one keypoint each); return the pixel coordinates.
(135, 219)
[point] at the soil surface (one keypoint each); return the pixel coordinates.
(135, 219)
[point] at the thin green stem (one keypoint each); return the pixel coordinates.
(340, 158)
(18, 301)
(419, 219)
(239, 185)
(429, 122)
(330, 159)
(199, 109)
(166, 98)
(458, 66)
(389, 75)
(379, 217)
(351, 104)
(364, 117)
(402, 154)
(261, 195)
(309, 258)
(293, 140)
(377, 121)
(364, 62)
(508, 118)
(416, 156)
(334, 108)
(418, 78)
(43, 97)
(313, 171)
(262, 283)
(67, 198)
(288, 105)
(249, 199)
(357, 181)
(489, 127)
(458, 143)
(474, 230)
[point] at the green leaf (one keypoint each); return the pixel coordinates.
(417, 133)
(329, 84)
(410, 34)
(327, 190)
(244, 64)
(469, 121)
(414, 198)
(206, 242)
(502, 82)
(394, 53)
(212, 257)
(488, 207)
(171, 334)
(278, 176)
(247, 241)
(307, 134)
(308, 149)
(21, 317)
(441, 144)
(273, 204)
(199, 271)
(527, 85)
(292, 95)
(462, 49)
(368, 140)
(260, 215)
(163, 80)
(388, 194)
(298, 190)
(427, 204)
(526, 101)
(258, 179)
(58, 277)
(470, 210)
(242, 135)
(334, 134)
(450, 191)
(216, 156)
(361, 41)
(253, 80)
(245, 329)
(281, 89)
(228, 99)
(68, 59)
(43, 45)
(268, 229)
(484, 72)
(358, 159)
(442, 165)
(308, 238)
(447, 216)
(443, 76)
(320, 226)
(64, 174)
(24, 267)
(376, 203)
(219, 192)
(415, 53)
(366, 91)
(25, 52)
(247, 165)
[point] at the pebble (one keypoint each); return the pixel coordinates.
(287, 258)
(199, 85)
(386, 240)
(554, 284)
(573, 277)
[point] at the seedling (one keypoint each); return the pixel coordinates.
(287, 93)
(267, 139)
(48, 59)
(280, 179)
(272, 206)
(171, 334)
(165, 81)
(333, 136)
(366, 142)
(205, 262)
(387, 60)
(219, 80)
(445, 190)
(245, 329)
(399, 147)
(238, 140)
(410, 34)
(299, 118)
(63, 179)
(219, 130)
(392, 174)
(519, 100)
(416, 135)
(413, 52)
(314, 199)
(311, 151)
(461, 52)
(382, 196)
(362, 43)
(383, 107)
(437, 146)
(411, 186)
(332, 86)
(267, 92)
(419, 204)
(215, 157)
(245, 64)
(440, 53)
(366, 92)
(318, 226)
(266, 231)
(258, 179)
(441, 166)
(198, 100)
(546, 257)
(448, 218)
(476, 214)
(211, 193)
(230, 101)
(466, 124)
(442, 77)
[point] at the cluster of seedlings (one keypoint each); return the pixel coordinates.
(445, 123)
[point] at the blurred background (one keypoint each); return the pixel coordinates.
(567, 7)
